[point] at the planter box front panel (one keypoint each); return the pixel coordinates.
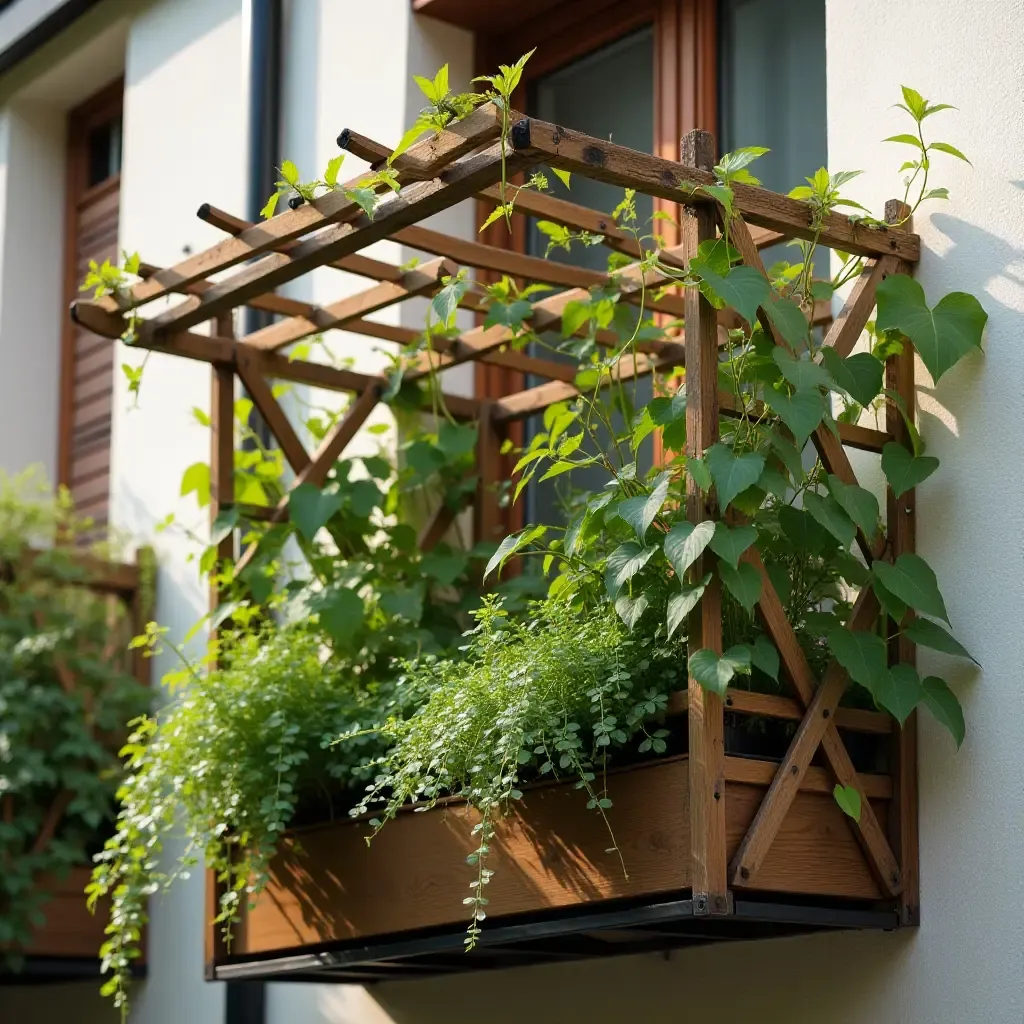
(70, 930)
(332, 888)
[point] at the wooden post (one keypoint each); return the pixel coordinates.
(486, 514)
(900, 522)
(706, 713)
(222, 496)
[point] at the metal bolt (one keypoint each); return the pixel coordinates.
(795, 770)
(744, 873)
(825, 713)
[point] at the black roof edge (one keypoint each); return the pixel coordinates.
(42, 32)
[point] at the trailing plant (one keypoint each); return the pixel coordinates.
(550, 695)
(64, 698)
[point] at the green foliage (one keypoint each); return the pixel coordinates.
(550, 695)
(65, 693)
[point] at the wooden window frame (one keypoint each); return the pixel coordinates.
(99, 108)
(685, 98)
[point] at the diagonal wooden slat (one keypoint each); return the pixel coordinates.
(327, 453)
(338, 315)
(787, 781)
(460, 180)
(868, 830)
(856, 311)
(252, 370)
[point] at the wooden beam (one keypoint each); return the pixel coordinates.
(786, 784)
(480, 127)
(681, 183)
(489, 474)
(705, 709)
(851, 319)
(462, 179)
(816, 780)
(868, 830)
(420, 281)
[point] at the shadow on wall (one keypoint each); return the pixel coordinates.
(839, 979)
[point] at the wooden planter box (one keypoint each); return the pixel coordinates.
(340, 908)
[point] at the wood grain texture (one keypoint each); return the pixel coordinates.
(856, 311)
(252, 370)
(705, 709)
(679, 182)
(804, 745)
(489, 467)
(69, 930)
(901, 526)
(551, 854)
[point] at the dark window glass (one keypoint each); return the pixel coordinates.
(104, 147)
(608, 94)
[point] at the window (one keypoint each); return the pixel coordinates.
(87, 361)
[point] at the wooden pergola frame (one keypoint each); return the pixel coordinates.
(466, 161)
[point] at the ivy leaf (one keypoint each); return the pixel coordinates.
(729, 544)
(789, 321)
(801, 412)
(197, 478)
(447, 299)
(940, 700)
(624, 563)
(943, 335)
(270, 206)
(639, 512)
(803, 374)
(945, 147)
(742, 288)
(891, 604)
(765, 656)
(341, 613)
(905, 470)
(713, 672)
(562, 176)
(630, 609)
(456, 439)
(860, 375)
(743, 582)
(828, 512)
(803, 530)
(680, 605)
(333, 167)
(732, 473)
(403, 603)
(290, 172)
(685, 543)
(926, 633)
(225, 523)
(860, 505)
(899, 691)
(309, 508)
(444, 566)
(912, 581)
(861, 654)
(848, 798)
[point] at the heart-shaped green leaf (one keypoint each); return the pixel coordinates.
(943, 335)
(639, 512)
(801, 412)
(403, 603)
(861, 654)
(685, 543)
(803, 530)
(680, 605)
(714, 672)
(510, 545)
(732, 473)
(789, 321)
(729, 543)
(742, 288)
(341, 613)
(630, 609)
(943, 704)
(903, 469)
(926, 633)
(860, 505)
(828, 512)
(860, 375)
(765, 656)
(913, 582)
(899, 691)
(309, 508)
(848, 799)
(891, 604)
(743, 582)
(699, 473)
(803, 374)
(624, 563)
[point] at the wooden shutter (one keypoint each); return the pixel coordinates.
(87, 360)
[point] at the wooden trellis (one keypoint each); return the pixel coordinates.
(463, 162)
